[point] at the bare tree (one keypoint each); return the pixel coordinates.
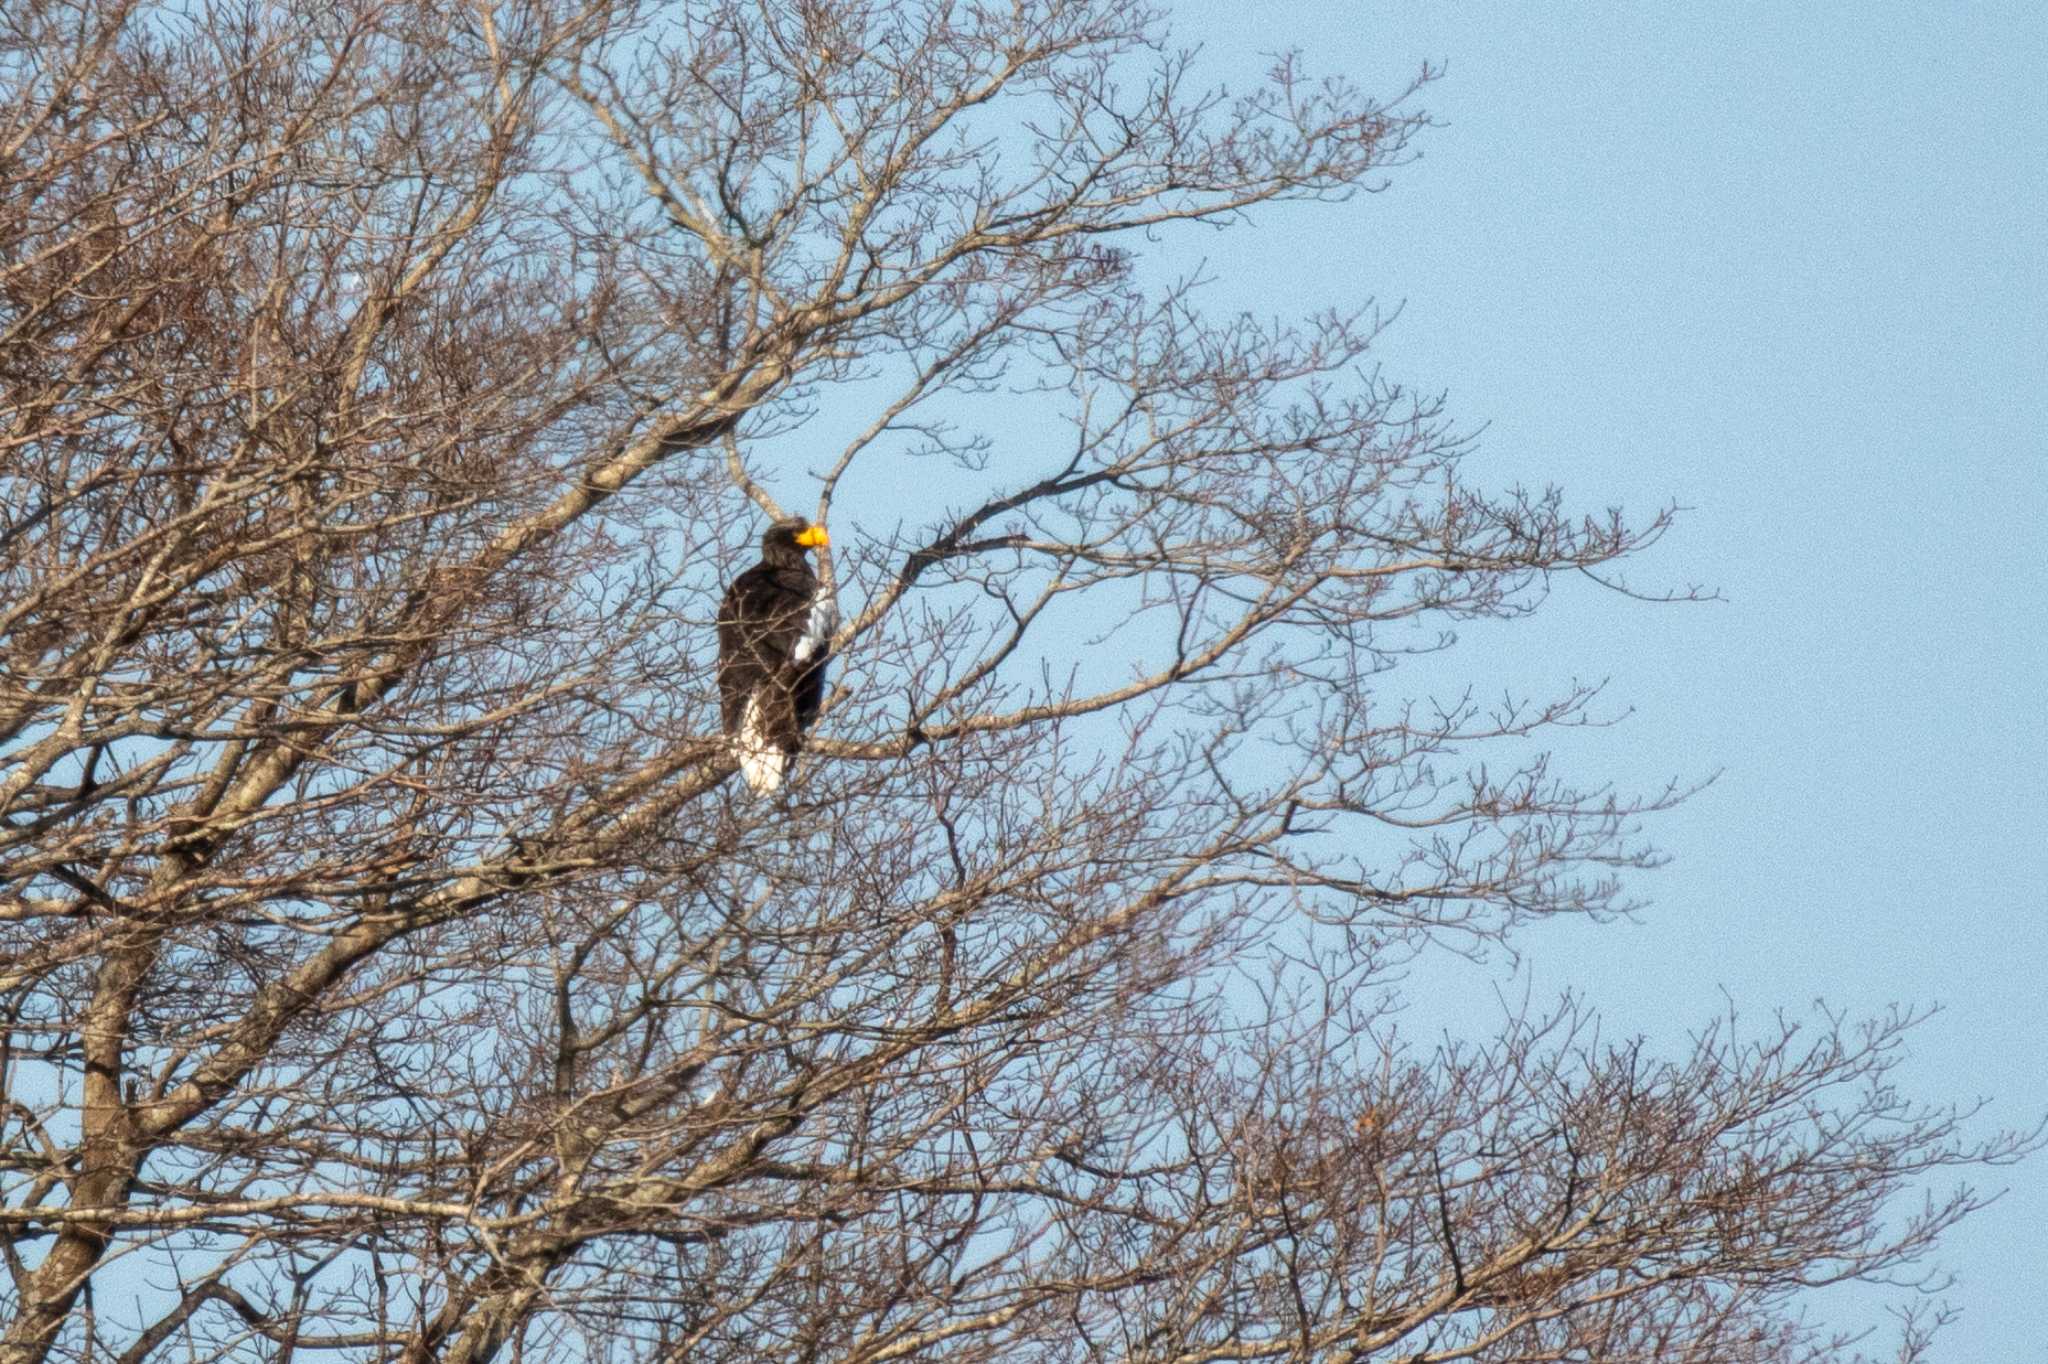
(391, 969)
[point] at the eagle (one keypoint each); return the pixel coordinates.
(774, 638)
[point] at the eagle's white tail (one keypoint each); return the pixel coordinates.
(762, 760)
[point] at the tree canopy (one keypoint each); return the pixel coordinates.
(391, 966)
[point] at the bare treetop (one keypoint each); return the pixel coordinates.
(389, 966)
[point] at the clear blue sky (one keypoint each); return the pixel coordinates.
(1788, 266)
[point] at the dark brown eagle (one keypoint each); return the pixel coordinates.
(774, 637)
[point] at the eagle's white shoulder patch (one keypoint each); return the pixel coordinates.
(819, 626)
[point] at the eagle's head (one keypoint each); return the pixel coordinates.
(786, 540)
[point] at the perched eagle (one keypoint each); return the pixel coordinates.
(774, 637)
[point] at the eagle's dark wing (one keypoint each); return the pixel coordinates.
(759, 624)
(770, 667)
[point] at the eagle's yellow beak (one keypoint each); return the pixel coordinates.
(813, 537)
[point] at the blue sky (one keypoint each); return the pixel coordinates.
(1786, 265)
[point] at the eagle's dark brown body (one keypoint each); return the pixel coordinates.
(774, 639)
